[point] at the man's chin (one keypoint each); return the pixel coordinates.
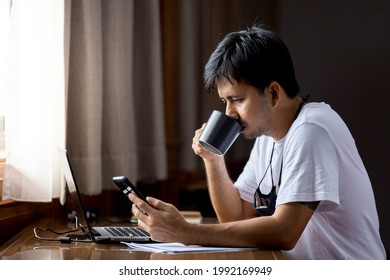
(251, 135)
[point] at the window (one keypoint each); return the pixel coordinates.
(4, 23)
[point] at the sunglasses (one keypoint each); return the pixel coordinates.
(265, 203)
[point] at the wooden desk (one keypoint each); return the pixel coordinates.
(24, 246)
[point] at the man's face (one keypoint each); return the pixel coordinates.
(245, 104)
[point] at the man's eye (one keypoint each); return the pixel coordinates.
(237, 100)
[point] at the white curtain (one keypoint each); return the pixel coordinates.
(35, 101)
(115, 115)
(99, 63)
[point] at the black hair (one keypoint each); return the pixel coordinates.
(255, 56)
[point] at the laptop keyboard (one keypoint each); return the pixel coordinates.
(127, 231)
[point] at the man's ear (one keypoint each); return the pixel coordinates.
(275, 91)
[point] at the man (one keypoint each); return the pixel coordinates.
(304, 189)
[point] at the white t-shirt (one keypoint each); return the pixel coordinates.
(320, 163)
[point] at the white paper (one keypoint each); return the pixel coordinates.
(180, 248)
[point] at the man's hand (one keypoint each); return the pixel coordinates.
(199, 149)
(162, 220)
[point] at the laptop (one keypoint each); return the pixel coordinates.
(95, 233)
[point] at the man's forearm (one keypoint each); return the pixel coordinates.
(224, 196)
(245, 233)
(280, 231)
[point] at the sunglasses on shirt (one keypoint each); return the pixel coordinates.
(265, 203)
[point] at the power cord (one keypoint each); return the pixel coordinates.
(62, 239)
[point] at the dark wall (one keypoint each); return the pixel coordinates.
(341, 51)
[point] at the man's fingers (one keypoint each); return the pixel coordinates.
(140, 204)
(158, 204)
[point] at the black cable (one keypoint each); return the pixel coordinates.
(62, 239)
(68, 239)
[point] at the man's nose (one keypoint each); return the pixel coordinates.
(231, 111)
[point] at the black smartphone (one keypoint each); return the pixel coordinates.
(127, 187)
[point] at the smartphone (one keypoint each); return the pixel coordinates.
(127, 187)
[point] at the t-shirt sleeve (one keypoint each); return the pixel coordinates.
(310, 168)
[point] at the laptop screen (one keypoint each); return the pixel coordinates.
(74, 194)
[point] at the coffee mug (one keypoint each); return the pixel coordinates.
(220, 133)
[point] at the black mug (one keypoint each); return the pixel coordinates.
(220, 133)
